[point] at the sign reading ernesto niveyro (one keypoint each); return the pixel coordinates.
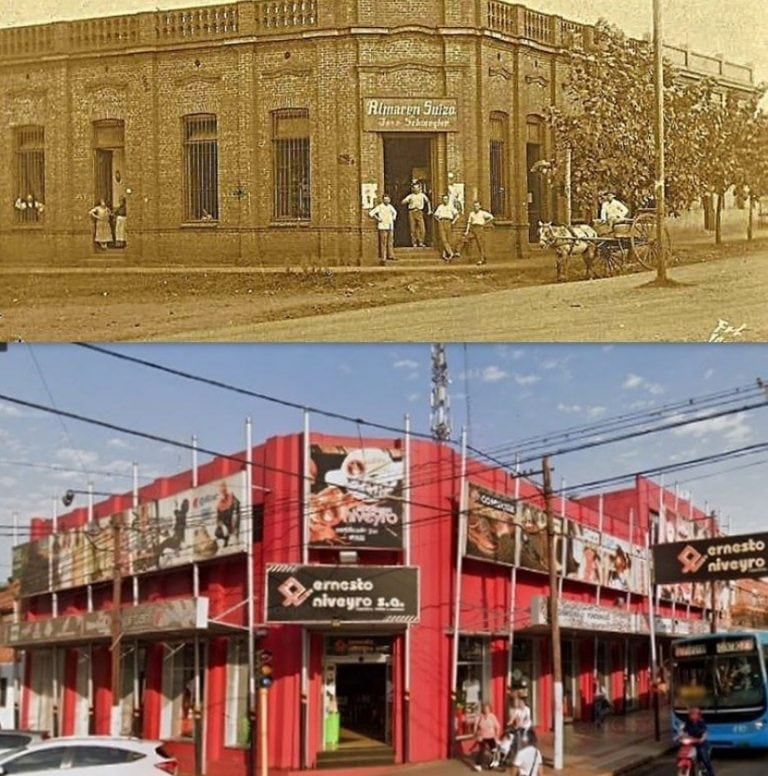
(342, 593)
(707, 560)
(397, 114)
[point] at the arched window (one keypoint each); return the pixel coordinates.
(499, 165)
(201, 168)
(29, 147)
(291, 182)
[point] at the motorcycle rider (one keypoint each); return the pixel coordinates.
(696, 728)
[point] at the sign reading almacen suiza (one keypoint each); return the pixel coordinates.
(397, 114)
(707, 560)
(313, 594)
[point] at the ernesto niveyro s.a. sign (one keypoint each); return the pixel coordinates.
(708, 560)
(328, 594)
(397, 114)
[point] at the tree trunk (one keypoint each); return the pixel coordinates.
(718, 218)
(750, 221)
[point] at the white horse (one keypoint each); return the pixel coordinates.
(567, 241)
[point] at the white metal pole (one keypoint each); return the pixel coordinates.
(54, 613)
(513, 589)
(18, 654)
(89, 608)
(194, 461)
(563, 543)
(251, 644)
(407, 560)
(457, 583)
(307, 486)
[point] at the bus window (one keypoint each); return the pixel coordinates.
(693, 684)
(739, 681)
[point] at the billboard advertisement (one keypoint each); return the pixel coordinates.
(327, 594)
(356, 497)
(192, 526)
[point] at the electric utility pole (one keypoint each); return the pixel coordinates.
(440, 401)
(557, 666)
(117, 623)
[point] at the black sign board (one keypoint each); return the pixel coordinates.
(330, 594)
(727, 645)
(709, 560)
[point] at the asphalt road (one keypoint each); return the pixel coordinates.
(726, 764)
(733, 290)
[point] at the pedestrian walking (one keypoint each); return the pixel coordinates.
(601, 705)
(487, 732)
(417, 202)
(385, 215)
(520, 720)
(121, 221)
(103, 234)
(477, 221)
(446, 216)
(528, 760)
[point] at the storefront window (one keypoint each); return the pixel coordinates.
(131, 697)
(179, 690)
(40, 714)
(522, 672)
(472, 686)
(236, 723)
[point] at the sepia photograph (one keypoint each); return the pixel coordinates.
(317, 170)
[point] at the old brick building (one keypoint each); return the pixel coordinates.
(259, 132)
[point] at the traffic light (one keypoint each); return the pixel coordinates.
(265, 668)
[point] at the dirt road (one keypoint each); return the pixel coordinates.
(512, 301)
(616, 309)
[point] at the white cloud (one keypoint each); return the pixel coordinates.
(7, 482)
(413, 397)
(119, 443)
(733, 428)
(708, 374)
(527, 379)
(74, 456)
(492, 374)
(633, 381)
(9, 411)
(570, 408)
(596, 411)
(406, 363)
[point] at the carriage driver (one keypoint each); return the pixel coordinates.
(613, 209)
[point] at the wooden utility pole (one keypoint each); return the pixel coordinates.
(117, 623)
(554, 624)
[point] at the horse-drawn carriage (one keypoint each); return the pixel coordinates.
(609, 249)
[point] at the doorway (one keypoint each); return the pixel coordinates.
(109, 167)
(408, 158)
(361, 694)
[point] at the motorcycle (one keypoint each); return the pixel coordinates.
(687, 762)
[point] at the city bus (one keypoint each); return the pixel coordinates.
(723, 674)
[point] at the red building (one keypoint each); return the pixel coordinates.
(359, 551)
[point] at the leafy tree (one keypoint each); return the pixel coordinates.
(608, 123)
(752, 163)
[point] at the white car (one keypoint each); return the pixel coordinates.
(89, 756)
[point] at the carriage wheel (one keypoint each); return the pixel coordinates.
(610, 258)
(644, 241)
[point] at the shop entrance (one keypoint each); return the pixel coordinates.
(408, 158)
(357, 693)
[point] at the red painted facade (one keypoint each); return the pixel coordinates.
(501, 639)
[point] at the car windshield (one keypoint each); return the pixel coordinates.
(722, 682)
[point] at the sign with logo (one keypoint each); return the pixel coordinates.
(398, 114)
(491, 526)
(708, 560)
(724, 645)
(313, 594)
(581, 616)
(356, 497)
(180, 614)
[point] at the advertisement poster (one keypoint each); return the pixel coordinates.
(491, 526)
(533, 538)
(356, 497)
(193, 526)
(341, 594)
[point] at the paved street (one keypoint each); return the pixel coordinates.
(726, 764)
(614, 309)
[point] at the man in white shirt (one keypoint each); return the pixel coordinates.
(385, 214)
(528, 760)
(613, 209)
(417, 202)
(446, 216)
(477, 221)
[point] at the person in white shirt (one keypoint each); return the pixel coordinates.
(385, 214)
(613, 209)
(446, 216)
(520, 719)
(477, 220)
(528, 760)
(417, 202)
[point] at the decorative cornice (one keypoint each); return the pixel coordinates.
(106, 83)
(406, 65)
(499, 71)
(194, 78)
(539, 80)
(296, 72)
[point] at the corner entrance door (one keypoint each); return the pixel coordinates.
(408, 158)
(361, 690)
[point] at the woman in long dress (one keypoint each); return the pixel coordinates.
(100, 214)
(121, 219)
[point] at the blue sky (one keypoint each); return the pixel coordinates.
(738, 30)
(511, 392)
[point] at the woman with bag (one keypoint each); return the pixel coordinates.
(487, 732)
(528, 760)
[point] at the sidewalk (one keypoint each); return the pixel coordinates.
(624, 747)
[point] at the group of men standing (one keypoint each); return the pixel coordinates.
(446, 215)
